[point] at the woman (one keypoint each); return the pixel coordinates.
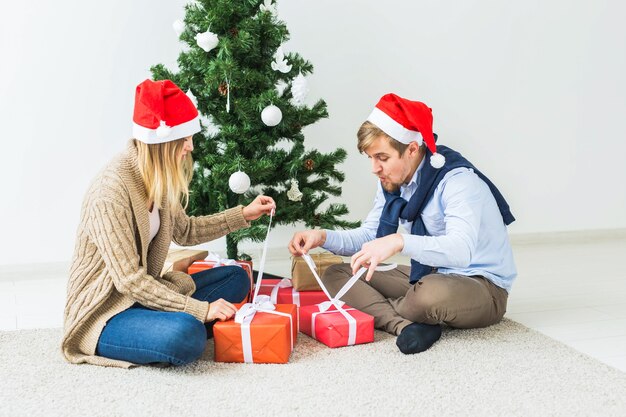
(120, 310)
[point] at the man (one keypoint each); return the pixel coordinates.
(462, 266)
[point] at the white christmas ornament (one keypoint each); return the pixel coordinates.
(271, 115)
(299, 90)
(207, 40)
(281, 86)
(280, 62)
(193, 98)
(294, 193)
(239, 182)
(268, 6)
(179, 27)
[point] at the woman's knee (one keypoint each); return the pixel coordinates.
(184, 339)
(240, 282)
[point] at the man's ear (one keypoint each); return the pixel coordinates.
(413, 148)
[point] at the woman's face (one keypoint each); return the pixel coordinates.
(187, 147)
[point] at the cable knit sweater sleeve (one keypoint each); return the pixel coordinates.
(112, 231)
(189, 230)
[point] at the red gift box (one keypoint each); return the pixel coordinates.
(268, 338)
(333, 328)
(281, 292)
(198, 266)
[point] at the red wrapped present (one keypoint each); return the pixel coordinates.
(334, 327)
(259, 333)
(213, 260)
(282, 292)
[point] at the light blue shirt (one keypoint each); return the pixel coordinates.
(467, 233)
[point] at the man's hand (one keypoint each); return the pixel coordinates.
(374, 252)
(262, 204)
(302, 242)
(220, 310)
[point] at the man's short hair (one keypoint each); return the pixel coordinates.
(369, 132)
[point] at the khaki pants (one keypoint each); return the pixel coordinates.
(456, 300)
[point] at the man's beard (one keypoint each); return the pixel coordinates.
(391, 187)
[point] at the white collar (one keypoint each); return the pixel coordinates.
(413, 182)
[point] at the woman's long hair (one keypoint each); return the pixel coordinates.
(164, 174)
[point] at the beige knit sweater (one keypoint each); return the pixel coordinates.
(114, 266)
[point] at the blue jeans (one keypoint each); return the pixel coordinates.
(141, 335)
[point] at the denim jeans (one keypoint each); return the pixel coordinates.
(142, 335)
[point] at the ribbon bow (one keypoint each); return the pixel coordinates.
(214, 257)
(248, 310)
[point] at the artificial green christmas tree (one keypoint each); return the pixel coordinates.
(251, 96)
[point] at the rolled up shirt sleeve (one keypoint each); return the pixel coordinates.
(349, 242)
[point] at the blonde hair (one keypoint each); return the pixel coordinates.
(164, 175)
(369, 132)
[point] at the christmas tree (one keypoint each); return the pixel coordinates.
(251, 95)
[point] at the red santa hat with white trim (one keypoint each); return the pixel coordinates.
(163, 113)
(407, 121)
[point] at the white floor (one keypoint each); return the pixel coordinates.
(571, 288)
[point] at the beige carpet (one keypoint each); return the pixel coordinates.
(504, 370)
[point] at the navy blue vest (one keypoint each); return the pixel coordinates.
(397, 208)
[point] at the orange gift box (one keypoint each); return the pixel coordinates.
(272, 337)
(199, 266)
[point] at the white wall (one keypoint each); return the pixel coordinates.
(532, 92)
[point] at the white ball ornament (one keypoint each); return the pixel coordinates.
(271, 115)
(239, 182)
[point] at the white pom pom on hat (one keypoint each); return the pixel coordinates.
(163, 113)
(407, 121)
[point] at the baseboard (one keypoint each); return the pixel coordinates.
(573, 237)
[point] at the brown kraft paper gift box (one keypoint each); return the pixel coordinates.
(301, 276)
(180, 259)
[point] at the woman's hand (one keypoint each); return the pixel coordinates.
(220, 310)
(262, 204)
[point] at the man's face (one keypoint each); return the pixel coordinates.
(391, 168)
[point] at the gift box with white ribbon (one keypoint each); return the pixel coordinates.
(213, 260)
(336, 327)
(260, 333)
(283, 292)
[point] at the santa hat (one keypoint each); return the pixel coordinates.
(407, 121)
(163, 113)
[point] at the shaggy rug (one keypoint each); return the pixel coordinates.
(503, 370)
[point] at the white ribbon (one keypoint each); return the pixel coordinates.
(285, 283)
(351, 323)
(335, 301)
(246, 313)
(214, 257)
(259, 304)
